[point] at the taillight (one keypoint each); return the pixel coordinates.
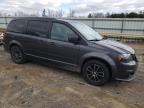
(4, 37)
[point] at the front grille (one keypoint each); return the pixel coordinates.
(134, 57)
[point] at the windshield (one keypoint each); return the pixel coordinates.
(86, 31)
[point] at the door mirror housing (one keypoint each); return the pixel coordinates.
(73, 39)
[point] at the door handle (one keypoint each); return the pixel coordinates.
(41, 41)
(52, 43)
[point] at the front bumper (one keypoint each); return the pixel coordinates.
(126, 71)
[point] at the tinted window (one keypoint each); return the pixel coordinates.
(17, 26)
(38, 28)
(61, 32)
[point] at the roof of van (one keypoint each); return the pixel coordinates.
(42, 19)
(34, 18)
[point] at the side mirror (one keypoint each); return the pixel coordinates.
(73, 39)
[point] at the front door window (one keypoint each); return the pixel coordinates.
(61, 32)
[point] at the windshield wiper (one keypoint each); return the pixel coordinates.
(94, 40)
(98, 39)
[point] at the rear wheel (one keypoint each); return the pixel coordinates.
(17, 54)
(96, 72)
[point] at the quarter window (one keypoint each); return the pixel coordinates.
(17, 26)
(38, 28)
(61, 32)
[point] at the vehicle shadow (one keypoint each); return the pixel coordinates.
(59, 68)
(71, 74)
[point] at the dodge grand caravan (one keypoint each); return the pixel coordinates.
(72, 44)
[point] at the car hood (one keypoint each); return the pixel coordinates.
(120, 47)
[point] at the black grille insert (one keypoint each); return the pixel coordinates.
(134, 57)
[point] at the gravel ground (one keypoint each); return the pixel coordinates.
(34, 85)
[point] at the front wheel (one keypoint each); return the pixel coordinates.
(17, 54)
(95, 72)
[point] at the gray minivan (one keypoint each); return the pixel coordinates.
(71, 44)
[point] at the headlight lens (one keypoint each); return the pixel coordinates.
(124, 57)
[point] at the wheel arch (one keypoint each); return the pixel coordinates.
(13, 42)
(104, 58)
(99, 59)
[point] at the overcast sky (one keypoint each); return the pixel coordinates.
(82, 7)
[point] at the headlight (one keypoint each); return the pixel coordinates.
(124, 57)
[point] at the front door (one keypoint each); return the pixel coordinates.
(60, 49)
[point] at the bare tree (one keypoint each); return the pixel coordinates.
(0, 14)
(98, 15)
(54, 13)
(107, 15)
(44, 13)
(71, 13)
(60, 13)
(90, 15)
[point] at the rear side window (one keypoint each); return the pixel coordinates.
(17, 26)
(38, 28)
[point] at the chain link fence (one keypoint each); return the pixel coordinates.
(120, 29)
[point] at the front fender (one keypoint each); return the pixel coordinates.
(100, 56)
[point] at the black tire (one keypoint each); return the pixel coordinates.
(17, 55)
(95, 72)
